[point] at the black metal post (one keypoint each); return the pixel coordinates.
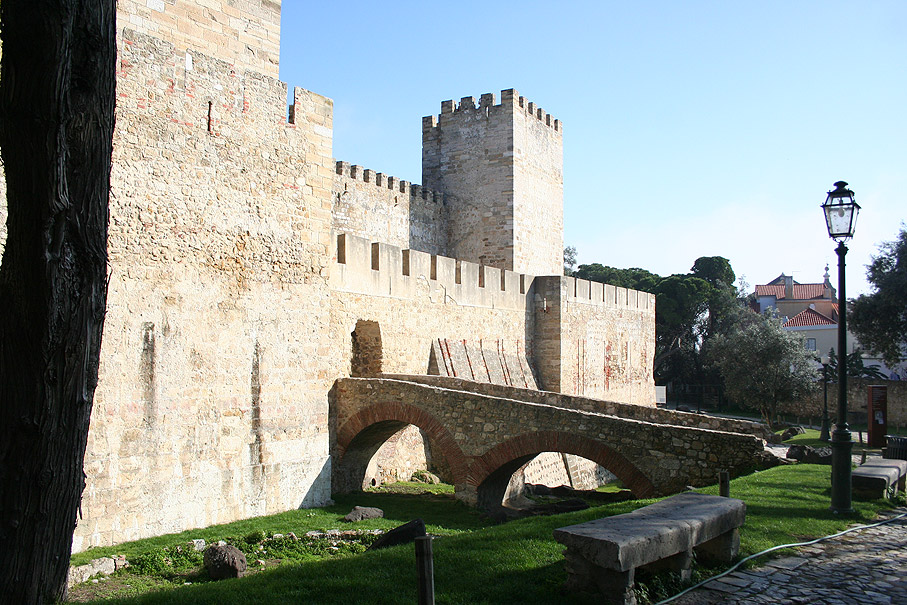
(426, 568)
(841, 443)
(824, 436)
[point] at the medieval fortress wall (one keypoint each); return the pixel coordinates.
(502, 165)
(246, 31)
(250, 270)
(219, 258)
(373, 205)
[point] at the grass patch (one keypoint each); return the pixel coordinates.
(442, 516)
(811, 438)
(612, 487)
(413, 487)
(478, 563)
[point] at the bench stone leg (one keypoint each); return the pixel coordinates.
(722, 549)
(616, 587)
(679, 564)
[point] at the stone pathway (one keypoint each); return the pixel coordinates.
(865, 567)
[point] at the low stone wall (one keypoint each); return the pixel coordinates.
(857, 398)
(554, 469)
(598, 406)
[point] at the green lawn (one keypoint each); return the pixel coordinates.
(811, 437)
(475, 562)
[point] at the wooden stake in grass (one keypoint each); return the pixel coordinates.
(426, 567)
(724, 484)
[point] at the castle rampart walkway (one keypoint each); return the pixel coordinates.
(483, 437)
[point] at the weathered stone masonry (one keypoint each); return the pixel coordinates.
(485, 437)
(250, 270)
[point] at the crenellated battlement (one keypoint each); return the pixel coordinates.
(510, 101)
(379, 179)
(593, 292)
(378, 269)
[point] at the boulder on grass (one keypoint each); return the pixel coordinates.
(792, 431)
(403, 534)
(810, 455)
(225, 561)
(360, 513)
(426, 477)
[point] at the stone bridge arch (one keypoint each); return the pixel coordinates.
(360, 437)
(490, 473)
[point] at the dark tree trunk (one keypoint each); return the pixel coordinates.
(57, 79)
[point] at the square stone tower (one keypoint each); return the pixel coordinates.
(501, 168)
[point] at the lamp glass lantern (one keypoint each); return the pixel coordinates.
(840, 212)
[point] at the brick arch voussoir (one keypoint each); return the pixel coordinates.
(556, 441)
(383, 411)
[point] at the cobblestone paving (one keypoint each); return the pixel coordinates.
(865, 567)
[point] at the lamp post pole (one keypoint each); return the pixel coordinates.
(841, 443)
(824, 436)
(841, 217)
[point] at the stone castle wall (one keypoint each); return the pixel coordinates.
(243, 282)
(595, 340)
(385, 209)
(245, 33)
(416, 298)
(502, 166)
(219, 233)
(538, 183)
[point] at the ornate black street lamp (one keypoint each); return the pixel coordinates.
(824, 436)
(841, 218)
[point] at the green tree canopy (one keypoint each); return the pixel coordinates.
(879, 319)
(569, 260)
(714, 269)
(634, 278)
(762, 364)
(688, 309)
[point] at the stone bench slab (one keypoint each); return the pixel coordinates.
(876, 476)
(655, 532)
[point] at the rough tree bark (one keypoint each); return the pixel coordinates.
(57, 79)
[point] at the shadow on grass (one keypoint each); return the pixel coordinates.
(518, 562)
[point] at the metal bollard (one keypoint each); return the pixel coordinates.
(425, 565)
(724, 484)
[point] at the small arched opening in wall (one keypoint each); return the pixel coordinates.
(499, 475)
(389, 442)
(366, 349)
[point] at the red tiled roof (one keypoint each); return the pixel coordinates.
(809, 317)
(799, 291)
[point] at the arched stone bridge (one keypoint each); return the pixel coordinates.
(483, 433)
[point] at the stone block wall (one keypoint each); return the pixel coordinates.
(219, 255)
(245, 33)
(595, 340)
(538, 183)
(599, 406)
(857, 400)
(481, 361)
(416, 298)
(386, 209)
(240, 272)
(502, 166)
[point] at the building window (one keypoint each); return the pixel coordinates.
(810, 344)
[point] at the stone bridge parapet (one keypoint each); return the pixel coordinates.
(483, 438)
(599, 406)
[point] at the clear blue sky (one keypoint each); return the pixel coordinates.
(690, 128)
